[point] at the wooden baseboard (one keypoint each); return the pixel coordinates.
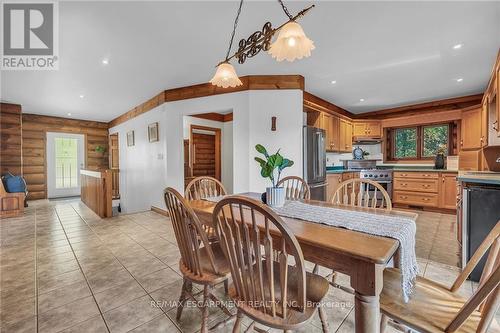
(160, 211)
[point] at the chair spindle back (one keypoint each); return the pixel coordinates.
(487, 296)
(188, 231)
(296, 188)
(204, 187)
(356, 192)
(250, 233)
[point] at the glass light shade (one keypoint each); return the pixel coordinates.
(225, 76)
(292, 43)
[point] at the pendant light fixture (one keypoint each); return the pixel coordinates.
(225, 75)
(291, 44)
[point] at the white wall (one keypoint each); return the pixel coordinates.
(282, 104)
(142, 167)
(144, 176)
(226, 145)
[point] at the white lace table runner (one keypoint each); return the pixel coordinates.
(401, 228)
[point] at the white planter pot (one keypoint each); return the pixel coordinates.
(275, 196)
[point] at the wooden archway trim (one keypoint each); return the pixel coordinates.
(250, 82)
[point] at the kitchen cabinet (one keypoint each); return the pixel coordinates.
(448, 191)
(330, 124)
(333, 180)
(425, 189)
(367, 130)
(470, 160)
(345, 136)
(471, 131)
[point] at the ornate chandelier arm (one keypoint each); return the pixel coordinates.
(260, 40)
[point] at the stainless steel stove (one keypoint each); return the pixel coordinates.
(381, 176)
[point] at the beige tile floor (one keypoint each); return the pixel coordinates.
(63, 269)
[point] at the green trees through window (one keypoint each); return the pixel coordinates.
(405, 143)
(434, 138)
(419, 142)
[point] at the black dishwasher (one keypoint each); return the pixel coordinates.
(481, 213)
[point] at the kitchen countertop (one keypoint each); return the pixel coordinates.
(334, 170)
(477, 177)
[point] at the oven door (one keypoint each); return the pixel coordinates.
(386, 184)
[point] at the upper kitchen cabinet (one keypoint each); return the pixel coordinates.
(330, 124)
(472, 136)
(345, 136)
(363, 130)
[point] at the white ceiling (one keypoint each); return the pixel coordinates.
(388, 53)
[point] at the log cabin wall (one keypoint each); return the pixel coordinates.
(34, 131)
(11, 139)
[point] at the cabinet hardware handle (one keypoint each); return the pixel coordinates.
(426, 199)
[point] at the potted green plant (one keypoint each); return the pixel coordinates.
(99, 149)
(271, 167)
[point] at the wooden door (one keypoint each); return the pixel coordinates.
(471, 129)
(205, 148)
(114, 165)
(448, 191)
(114, 161)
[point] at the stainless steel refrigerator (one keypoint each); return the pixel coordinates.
(315, 161)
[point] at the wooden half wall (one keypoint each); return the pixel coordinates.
(11, 140)
(34, 133)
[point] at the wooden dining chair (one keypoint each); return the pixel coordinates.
(204, 187)
(201, 262)
(270, 292)
(296, 188)
(355, 192)
(201, 188)
(435, 308)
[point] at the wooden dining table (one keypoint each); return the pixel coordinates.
(361, 256)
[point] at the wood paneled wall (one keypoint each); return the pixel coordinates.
(34, 131)
(11, 139)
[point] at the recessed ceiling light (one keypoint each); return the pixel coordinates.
(82, 96)
(458, 46)
(69, 113)
(105, 61)
(361, 99)
(460, 79)
(333, 82)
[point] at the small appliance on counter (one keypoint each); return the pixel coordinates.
(314, 150)
(358, 153)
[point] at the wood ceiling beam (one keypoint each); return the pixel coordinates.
(250, 82)
(454, 103)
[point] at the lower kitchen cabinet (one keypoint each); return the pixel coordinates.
(448, 191)
(425, 189)
(333, 180)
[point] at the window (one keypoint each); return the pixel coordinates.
(405, 143)
(434, 138)
(418, 142)
(66, 162)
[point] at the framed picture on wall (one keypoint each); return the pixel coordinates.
(153, 132)
(130, 138)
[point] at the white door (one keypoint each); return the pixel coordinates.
(65, 158)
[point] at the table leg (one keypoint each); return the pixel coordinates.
(367, 313)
